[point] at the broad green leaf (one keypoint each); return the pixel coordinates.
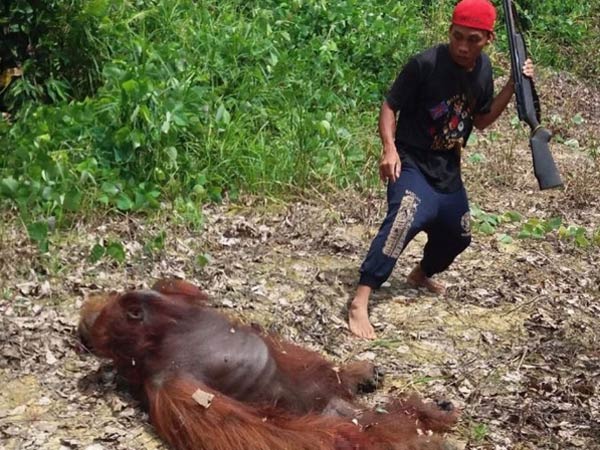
(110, 188)
(223, 116)
(487, 228)
(44, 246)
(578, 119)
(582, 241)
(476, 158)
(324, 126)
(96, 8)
(116, 251)
(596, 237)
(124, 202)
(9, 185)
(137, 139)
(166, 125)
(475, 211)
(344, 134)
(172, 154)
(103, 198)
(181, 119)
(130, 86)
(38, 231)
(573, 143)
(203, 259)
(97, 253)
(72, 200)
(122, 135)
(512, 216)
(553, 224)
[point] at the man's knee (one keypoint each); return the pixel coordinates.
(404, 226)
(464, 241)
(456, 245)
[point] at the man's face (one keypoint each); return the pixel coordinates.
(466, 45)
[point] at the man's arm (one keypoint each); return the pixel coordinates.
(389, 166)
(402, 94)
(499, 103)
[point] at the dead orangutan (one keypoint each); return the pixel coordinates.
(213, 384)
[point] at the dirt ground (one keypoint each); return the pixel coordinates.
(515, 343)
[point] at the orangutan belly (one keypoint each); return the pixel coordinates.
(232, 360)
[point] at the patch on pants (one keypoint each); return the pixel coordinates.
(465, 224)
(404, 219)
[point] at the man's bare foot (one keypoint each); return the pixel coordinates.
(358, 315)
(417, 279)
(358, 320)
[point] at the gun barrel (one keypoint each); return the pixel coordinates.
(512, 33)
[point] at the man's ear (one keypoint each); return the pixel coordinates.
(491, 37)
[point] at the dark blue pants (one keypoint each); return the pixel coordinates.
(414, 206)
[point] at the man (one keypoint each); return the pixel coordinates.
(439, 96)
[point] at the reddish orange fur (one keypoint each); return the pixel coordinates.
(156, 340)
(180, 288)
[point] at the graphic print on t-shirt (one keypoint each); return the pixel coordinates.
(451, 120)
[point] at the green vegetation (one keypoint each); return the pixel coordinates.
(479, 432)
(533, 228)
(197, 100)
(128, 105)
(564, 34)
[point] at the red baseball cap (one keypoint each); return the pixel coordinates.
(479, 14)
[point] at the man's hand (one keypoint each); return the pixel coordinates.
(528, 69)
(389, 166)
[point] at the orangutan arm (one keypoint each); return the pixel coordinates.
(172, 287)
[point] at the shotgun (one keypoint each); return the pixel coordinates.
(528, 105)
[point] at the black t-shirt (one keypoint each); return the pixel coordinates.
(437, 100)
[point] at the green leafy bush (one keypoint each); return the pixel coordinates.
(201, 99)
(563, 33)
(532, 228)
(56, 43)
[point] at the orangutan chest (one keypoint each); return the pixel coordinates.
(234, 361)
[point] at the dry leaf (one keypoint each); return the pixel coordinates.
(203, 398)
